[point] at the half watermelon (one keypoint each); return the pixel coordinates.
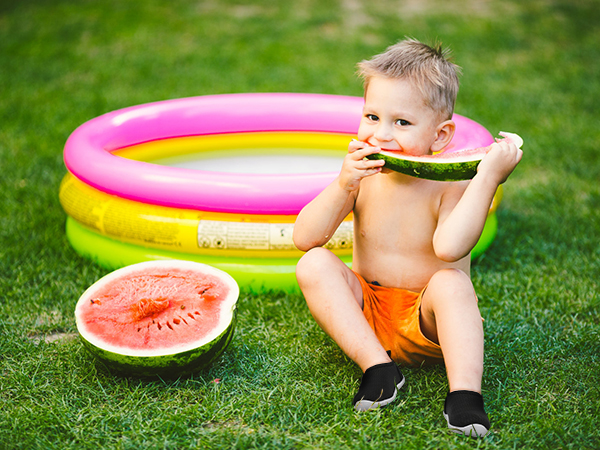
(159, 318)
(443, 166)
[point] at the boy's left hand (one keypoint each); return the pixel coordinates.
(500, 161)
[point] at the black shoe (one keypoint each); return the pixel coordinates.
(463, 410)
(378, 387)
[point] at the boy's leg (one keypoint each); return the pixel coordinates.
(450, 317)
(334, 297)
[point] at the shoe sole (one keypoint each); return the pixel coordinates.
(366, 405)
(474, 430)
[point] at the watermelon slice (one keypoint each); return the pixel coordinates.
(159, 318)
(444, 166)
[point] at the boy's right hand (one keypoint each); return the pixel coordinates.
(356, 167)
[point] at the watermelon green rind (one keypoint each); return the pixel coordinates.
(166, 366)
(438, 171)
(171, 361)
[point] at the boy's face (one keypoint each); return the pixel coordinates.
(395, 117)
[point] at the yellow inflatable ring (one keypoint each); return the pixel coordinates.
(196, 232)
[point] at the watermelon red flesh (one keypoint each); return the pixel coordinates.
(158, 317)
(155, 311)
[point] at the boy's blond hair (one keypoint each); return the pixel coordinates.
(428, 68)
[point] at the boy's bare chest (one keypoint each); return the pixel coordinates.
(397, 218)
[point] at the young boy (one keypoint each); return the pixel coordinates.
(409, 296)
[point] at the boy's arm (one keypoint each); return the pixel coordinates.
(461, 222)
(318, 220)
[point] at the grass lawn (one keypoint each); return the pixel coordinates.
(531, 67)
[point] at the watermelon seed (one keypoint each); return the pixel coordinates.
(95, 302)
(192, 316)
(182, 306)
(169, 325)
(159, 326)
(197, 313)
(184, 321)
(176, 321)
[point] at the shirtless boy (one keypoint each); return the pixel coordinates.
(409, 295)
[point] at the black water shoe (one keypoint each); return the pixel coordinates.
(463, 410)
(378, 387)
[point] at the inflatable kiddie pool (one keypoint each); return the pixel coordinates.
(216, 179)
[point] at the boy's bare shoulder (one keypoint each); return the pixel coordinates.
(451, 192)
(454, 187)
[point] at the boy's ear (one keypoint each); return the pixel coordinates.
(443, 136)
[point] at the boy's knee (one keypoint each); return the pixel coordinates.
(450, 281)
(313, 263)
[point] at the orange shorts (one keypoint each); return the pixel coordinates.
(394, 316)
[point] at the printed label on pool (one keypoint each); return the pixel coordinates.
(218, 234)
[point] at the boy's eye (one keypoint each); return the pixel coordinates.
(402, 122)
(372, 117)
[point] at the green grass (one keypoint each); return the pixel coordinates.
(531, 67)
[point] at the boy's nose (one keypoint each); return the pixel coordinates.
(383, 133)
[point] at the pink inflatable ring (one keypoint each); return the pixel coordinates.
(89, 150)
